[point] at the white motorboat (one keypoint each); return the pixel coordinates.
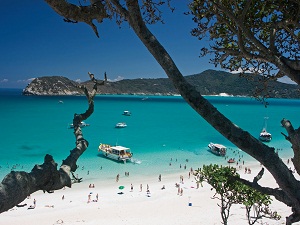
(121, 125)
(118, 153)
(217, 149)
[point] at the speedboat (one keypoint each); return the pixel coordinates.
(118, 153)
(82, 124)
(121, 125)
(217, 149)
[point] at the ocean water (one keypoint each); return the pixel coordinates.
(163, 132)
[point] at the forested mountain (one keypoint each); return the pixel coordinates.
(209, 82)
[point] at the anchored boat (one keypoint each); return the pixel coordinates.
(264, 134)
(118, 153)
(217, 149)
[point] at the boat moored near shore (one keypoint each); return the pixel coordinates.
(118, 153)
(264, 135)
(217, 149)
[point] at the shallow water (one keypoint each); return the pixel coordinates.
(161, 131)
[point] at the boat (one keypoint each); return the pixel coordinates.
(121, 125)
(127, 113)
(264, 134)
(217, 149)
(118, 153)
(82, 124)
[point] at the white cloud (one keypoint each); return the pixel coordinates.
(250, 70)
(286, 80)
(236, 71)
(25, 81)
(116, 79)
(4, 80)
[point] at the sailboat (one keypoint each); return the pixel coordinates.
(264, 134)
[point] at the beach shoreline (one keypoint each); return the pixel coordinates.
(79, 204)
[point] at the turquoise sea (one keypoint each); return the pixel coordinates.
(160, 131)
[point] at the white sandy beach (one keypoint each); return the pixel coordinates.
(135, 207)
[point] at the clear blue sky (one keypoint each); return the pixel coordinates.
(35, 41)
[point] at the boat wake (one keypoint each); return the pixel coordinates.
(135, 161)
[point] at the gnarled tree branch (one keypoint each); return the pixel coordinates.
(17, 185)
(294, 138)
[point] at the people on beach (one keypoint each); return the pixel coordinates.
(89, 198)
(141, 187)
(159, 177)
(117, 178)
(33, 206)
(131, 187)
(181, 179)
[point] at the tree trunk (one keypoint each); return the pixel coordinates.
(242, 139)
(16, 186)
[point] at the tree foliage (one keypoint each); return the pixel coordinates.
(135, 13)
(229, 190)
(261, 37)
